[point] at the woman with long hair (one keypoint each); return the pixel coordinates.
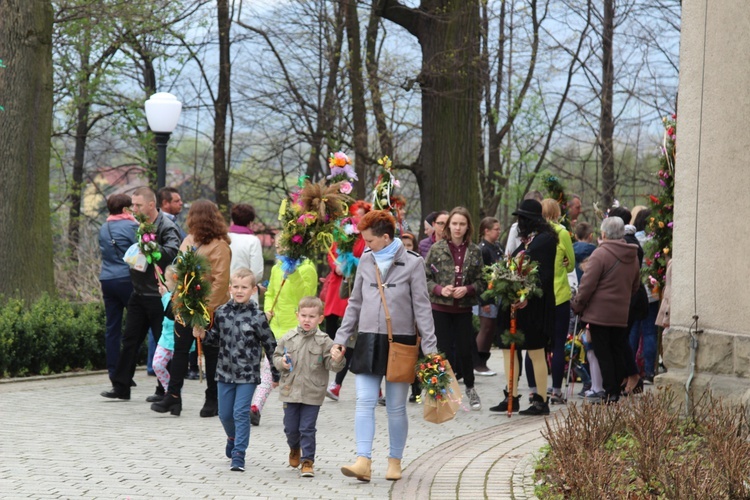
(207, 233)
(565, 262)
(454, 278)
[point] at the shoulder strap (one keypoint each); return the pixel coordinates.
(613, 265)
(120, 253)
(385, 306)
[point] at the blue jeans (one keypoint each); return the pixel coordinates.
(234, 413)
(299, 427)
(646, 328)
(368, 387)
(116, 294)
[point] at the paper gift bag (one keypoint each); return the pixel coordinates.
(439, 411)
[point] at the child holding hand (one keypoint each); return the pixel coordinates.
(304, 355)
(242, 331)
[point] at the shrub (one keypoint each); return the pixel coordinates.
(50, 336)
(644, 448)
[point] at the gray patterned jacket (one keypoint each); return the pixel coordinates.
(243, 334)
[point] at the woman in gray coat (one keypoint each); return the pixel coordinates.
(405, 288)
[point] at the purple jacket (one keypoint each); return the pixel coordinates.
(425, 245)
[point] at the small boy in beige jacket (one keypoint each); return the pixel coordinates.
(304, 356)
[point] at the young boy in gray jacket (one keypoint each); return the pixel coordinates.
(304, 356)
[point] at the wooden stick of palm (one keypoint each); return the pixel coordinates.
(276, 299)
(511, 378)
(201, 360)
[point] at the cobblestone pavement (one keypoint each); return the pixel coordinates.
(60, 439)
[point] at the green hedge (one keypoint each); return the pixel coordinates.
(50, 336)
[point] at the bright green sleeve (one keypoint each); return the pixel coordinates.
(309, 279)
(568, 248)
(273, 287)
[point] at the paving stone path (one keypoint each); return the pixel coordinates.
(60, 439)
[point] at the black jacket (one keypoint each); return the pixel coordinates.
(168, 239)
(537, 319)
(491, 253)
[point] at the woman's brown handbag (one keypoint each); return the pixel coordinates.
(402, 358)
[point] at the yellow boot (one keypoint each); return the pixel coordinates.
(361, 469)
(394, 469)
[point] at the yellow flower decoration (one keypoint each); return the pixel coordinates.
(666, 250)
(661, 225)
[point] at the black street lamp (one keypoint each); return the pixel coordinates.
(162, 112)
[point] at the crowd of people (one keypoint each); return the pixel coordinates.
(418, 292)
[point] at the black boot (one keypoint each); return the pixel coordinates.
(210, 408)
(157, 396)
(503, 406)
(170, 403)
(538, 407)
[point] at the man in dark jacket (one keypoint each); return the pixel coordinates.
(612, 277)
(489, 228)
(145, 309)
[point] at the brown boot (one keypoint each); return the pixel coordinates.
(294, 456)
(361, 469)
(394, 469)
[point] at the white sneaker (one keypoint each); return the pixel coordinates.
(487, 373)
(474, 401)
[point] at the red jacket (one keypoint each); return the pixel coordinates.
(335, 305)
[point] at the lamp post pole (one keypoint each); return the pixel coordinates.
(162, 138)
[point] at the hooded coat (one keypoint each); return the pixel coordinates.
(612, 277)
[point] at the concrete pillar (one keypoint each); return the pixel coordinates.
(711, 249)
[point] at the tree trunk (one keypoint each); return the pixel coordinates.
(148, 73)
(359, 110)
(607, 122)
(492, 181)
(25, 128)
(372, 65)
(221, 105)
(79, 155)
(448, 32)
(325, 118)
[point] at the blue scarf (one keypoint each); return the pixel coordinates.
(384, 257)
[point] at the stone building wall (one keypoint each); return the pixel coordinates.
(711, 269)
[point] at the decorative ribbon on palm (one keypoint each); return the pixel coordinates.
(190, 298)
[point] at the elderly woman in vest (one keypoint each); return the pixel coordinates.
(405, 290)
